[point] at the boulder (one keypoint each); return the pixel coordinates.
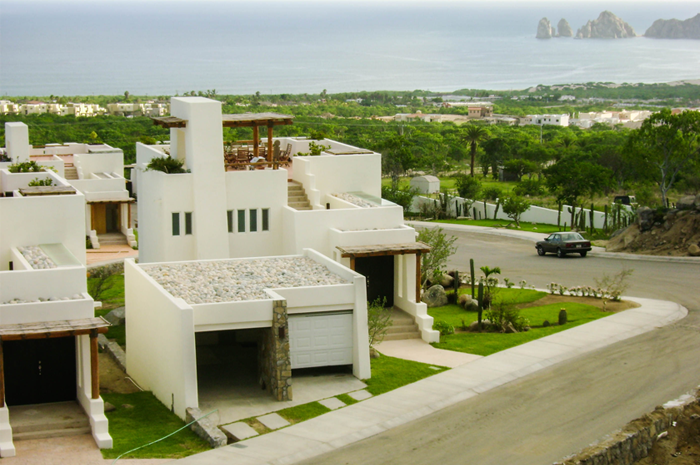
(466, 302)
(510, 329)
(116, 316)
(687, 202)
(545, 29)
(694, 250)
(564, 28)
(446, 281)
(607, 26)
(645, 218)
(435, 296)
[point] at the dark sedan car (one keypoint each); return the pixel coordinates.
(562, 243)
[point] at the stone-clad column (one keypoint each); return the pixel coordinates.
(275, 361)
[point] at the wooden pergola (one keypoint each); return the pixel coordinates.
(240, 120)
(409, 248)
(51, 329)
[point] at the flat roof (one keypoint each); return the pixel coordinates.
(231, 121)
(232, 280)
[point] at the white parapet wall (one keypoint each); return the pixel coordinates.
(160, 336)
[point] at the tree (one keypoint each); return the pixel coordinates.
(576, 176)
(474, 135)
(378, 320)
(514, 206)
(440, 250)
(666, 144)
(467, 187)
(396, 158)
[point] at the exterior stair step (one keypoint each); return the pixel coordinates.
(296, 196)
(403, 326)
(401, 336)
(51, 433)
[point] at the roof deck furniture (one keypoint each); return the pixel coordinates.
(240, 120)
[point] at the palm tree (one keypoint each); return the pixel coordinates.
(474, 135)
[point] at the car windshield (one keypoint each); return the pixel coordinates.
(572, 237)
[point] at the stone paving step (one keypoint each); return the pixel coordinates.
(296, 196)
(401, 336)
(403, 326)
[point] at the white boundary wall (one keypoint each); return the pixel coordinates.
(533, 215)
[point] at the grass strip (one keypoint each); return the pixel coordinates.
(303, 412)
(389, 373)
(148, 420)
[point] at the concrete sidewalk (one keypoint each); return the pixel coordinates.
(535, 236)
(381, 413)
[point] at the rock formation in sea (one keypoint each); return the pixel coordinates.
(564, 28)
(607, 26)
(675, 29)
(545, 29)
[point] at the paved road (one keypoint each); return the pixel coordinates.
(559, 410)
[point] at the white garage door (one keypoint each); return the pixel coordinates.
(317, 340)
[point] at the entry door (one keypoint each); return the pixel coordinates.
(317, 340)
(99, 218)
(112, 217)
(379, 272)
(39, 371)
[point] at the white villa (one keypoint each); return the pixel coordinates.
(541, 120)
(96, 170)
(281, 253)
(48, 332)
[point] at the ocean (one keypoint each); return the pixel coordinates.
(171, 47)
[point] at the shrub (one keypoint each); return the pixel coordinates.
(502, 314)
(468, 187)
(166, 164)
(614, 286)
(441, 249)
(531, 187)
(491, 193)
(444, 327)
(514, 206)
(25, 167)
(378, 320)
(403, 197)
(41, 182)
(314, 150)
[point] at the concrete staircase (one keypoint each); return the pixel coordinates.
(112, 239)
(43, 421)
(70, 171)
(404, 326)
(296, 196)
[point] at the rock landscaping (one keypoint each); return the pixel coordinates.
(36, 257)
(355, 200)
(227, 281)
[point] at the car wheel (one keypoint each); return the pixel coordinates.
(583, 254)
(540, 251)
(560, 253)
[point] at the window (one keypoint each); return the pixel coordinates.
(265, 219)
(188, 222)
(229, 220)
(176, 224)
(241, 220)
(253, 220)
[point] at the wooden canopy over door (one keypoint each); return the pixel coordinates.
(409, 248)
(52, 329)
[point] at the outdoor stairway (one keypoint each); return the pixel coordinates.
(43, 421)
(296, 196)
(70, 171)
(403, 327)
(112, 239)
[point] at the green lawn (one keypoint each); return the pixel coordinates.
(448, 182)
(533, 227)
(489, 343)
(303, 412)
(389, 373)
(148, 421)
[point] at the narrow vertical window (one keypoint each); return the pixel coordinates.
(176, 224)
(229, 220)
(265, 219)
(241, 220)
(188, 222)
(253, 220)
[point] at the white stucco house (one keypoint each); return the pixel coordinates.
(48, 332)
(282, 255)
(541, 120)
(96, 170)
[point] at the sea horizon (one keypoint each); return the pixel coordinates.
(169, 48)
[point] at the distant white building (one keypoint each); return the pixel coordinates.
(541, 120)
(426, 184)
(96, 170)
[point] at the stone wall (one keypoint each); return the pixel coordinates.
(274, 361)
(634, 441)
